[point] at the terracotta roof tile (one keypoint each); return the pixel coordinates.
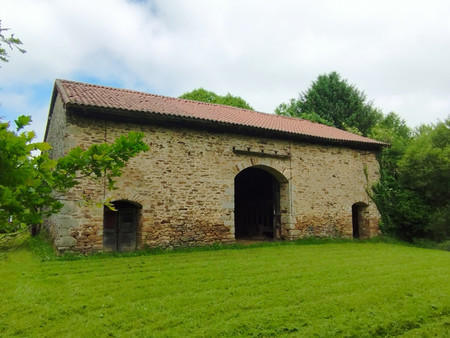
(88, 95)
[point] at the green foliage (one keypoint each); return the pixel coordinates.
(10, 42)
(286, 290)
(391, 129)
(25, 180)
(292, 110)
(41, 246)
(413, 192)
(30, 180)
(400, 208)
(426, 165)
(425, 169)
(99, 161)
(203, 95)
(336, 102)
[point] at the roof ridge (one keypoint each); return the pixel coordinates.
(124, 90)
(111, 88)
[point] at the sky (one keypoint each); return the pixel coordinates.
(267, 52)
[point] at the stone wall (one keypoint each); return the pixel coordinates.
(56, 134)
(185, 185)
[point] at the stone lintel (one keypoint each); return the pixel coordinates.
(261, 153)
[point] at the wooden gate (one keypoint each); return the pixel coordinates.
(257, 205)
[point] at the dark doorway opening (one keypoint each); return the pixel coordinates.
(257, 205)
(355, 220)
(119, 227)
(358, 219)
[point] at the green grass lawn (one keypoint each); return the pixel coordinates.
(340, 289)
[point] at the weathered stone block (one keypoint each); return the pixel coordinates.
(65, 242)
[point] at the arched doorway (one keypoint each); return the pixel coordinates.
(119, 227)
(257, 205)
(358, 210)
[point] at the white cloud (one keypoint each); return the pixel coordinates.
(264, 51)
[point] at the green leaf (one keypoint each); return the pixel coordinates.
(43, 146)
(22, 121)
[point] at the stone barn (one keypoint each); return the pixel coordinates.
(213, 174)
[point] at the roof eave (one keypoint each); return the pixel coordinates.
(152, 116)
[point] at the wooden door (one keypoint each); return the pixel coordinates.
(109, 230)
(126, 230)
(119, 229)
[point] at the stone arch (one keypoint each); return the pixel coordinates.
(360, 222)
(127, 196)
(281, 178)
(280, 171)
(121, 225)
(268, 171)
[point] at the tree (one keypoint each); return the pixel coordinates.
(425, 170)
(203, 95)
(292, 109)
(31, 184)
(392, 200)
(10, 42)
(413, 192)
(336, 102)
(393, 130)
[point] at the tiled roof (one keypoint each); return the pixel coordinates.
(94, 96)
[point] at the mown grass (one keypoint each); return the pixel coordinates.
(334, 289)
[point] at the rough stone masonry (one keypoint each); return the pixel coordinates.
(183, 191)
